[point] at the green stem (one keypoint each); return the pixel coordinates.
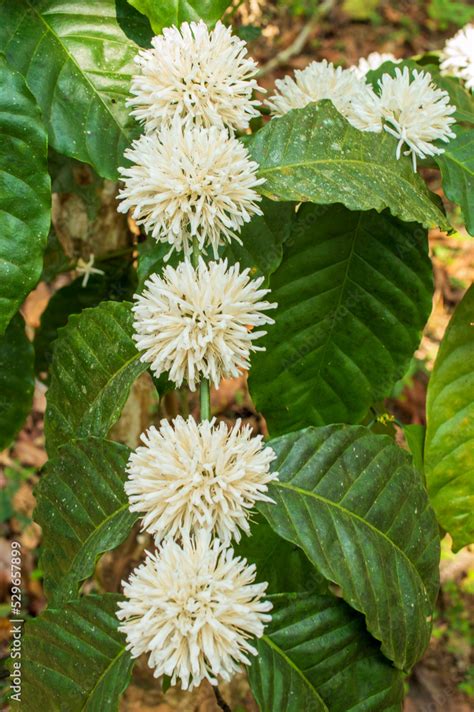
(205, 399)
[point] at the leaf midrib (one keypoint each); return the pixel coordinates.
(122, 652)
(81, 71)
(288, 661)
(349, 513)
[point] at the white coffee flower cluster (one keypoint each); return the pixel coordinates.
(189, 178)
(407, 105)
(457, 57)
(193, 606)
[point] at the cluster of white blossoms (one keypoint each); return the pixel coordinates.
(457, 57)
(193, 606)
(408, 105)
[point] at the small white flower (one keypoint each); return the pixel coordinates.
(373, 61)
(198, 323)
(458, 56)
(190, 182)
(351, 96)
(87, 268)
(193, 607)
(204, 77)
(189, 476)
(416, 112)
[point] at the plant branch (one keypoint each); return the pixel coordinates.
(299, 42)
(220, 700)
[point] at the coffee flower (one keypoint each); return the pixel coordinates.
(204, 77)
(416, 112)
(373, 61)
(457, 56)
(193, 608)
(199, 323)
(351, 96)
(190, 183)
(188, 476)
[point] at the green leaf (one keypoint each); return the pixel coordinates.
(174, 12)
(16, 379)
(415, 437)
(77, 59)
(74, 658)
(457, 171)
(449, 446)
(316, 655)
(94, 364)
(117, 283)
(359, 510)
(354, 293)
(83, 511)
(314, 154)
(25, 192)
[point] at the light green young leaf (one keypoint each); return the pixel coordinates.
(16, 379)
(94, 364)
(314, 154)
(77, 59)
(74, 658)
(358, 508)
(83, 511)
(354, 293)
(25, 192)
(449, 446)
(174, 12)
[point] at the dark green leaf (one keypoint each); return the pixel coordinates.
(77, 58)
(354, 293)
(449, 447)
(74, 658)
(71, 176)
(117, 283)
(25, 194)
(457, 171)
(55, 260)
(94, 364)
(415, 437)
(314, 154)
(359, 510)
(316, 655)
(16, 379)
(174, 12)
(151, 259)
(83, 511)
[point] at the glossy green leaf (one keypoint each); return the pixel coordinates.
(117, 284)
(354, 293)
(16, 379)
(314, 154)
(449, 446)
(25, 192)
(74, 658)
(174, 12)
(316, 655)
(457, 171)
(77, 59)
(358, 508)
(83, 511)
(94, 364)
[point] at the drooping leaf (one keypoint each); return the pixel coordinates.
(83, 511)
(354, 293)
(457, 171)
(174, 12)
(449, 446)
(316, 655)
(16, 379)
(94, 364)
(359, 510)
(25, 192)
(314, 154)
(77, 59)
(117, 284)
(74, 658)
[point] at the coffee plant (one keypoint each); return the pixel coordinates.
(311, 559)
